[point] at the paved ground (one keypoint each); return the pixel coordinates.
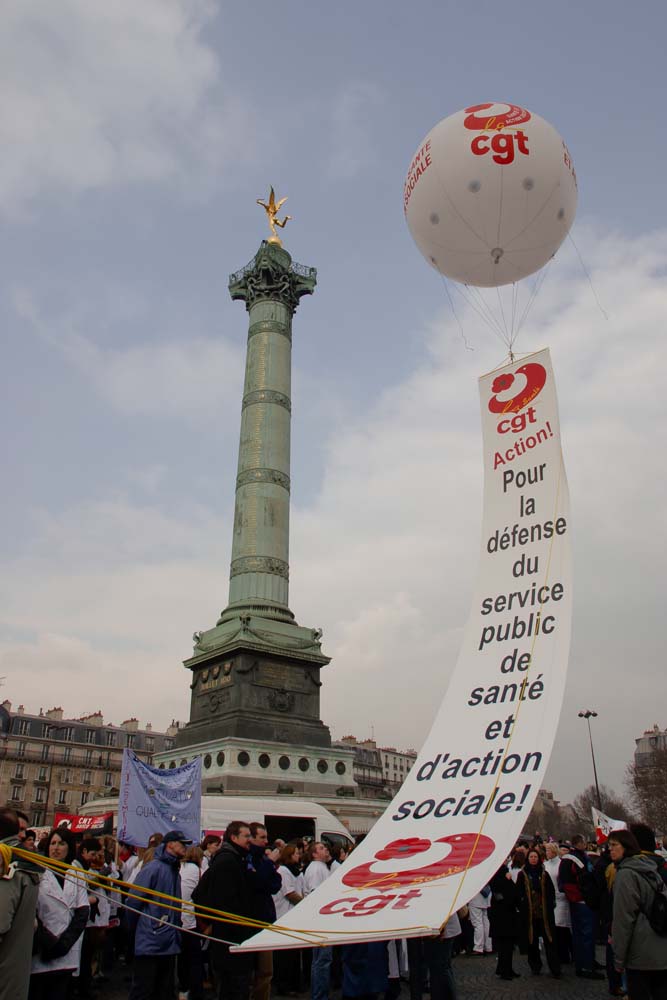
(475, 980)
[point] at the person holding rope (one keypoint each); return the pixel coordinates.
(158, 937)
(62, 913)
(227, 886)
(18, 900)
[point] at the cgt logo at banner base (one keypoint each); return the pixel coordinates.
(85, 824)
(153, 800)
(468, 795)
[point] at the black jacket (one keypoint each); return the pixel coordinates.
(503, 912)
(527, 910)
(226, 885)
(265, 882)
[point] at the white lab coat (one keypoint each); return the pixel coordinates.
(55, 908)
(562, 913)
(101, 894)
(315, 874)
(290, 883)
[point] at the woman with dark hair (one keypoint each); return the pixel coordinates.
(637, 947)
(537, 902)
(190, 962)
(62, 912)
(287, 964)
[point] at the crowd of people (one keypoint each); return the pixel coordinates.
(66, 927)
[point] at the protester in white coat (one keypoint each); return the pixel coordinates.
(316, 873)
(62, 912)
(478, 908)
(562, 911)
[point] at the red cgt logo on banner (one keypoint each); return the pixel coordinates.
(85, 824)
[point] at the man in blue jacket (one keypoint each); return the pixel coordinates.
(158, 938)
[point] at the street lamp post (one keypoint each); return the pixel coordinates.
(587, 714)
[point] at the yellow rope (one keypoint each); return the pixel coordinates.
(516, 719)
(140, 893)
(5, 858)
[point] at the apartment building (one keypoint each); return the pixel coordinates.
(395, 765)
(51, 764)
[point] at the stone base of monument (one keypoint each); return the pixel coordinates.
(234, 766)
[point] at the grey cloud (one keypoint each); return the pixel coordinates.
(95, 95)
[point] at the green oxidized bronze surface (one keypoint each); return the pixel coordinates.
(271, 286)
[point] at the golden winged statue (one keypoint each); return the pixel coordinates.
(272, 210)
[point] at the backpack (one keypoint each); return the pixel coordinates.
(656, 914)
(588, 885)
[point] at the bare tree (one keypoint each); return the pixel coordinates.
(647, 785)
(612, 805)
(550, 819)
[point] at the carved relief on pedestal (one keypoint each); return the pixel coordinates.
(281, 700)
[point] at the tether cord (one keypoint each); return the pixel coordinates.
(205, 912)
(222, 916)
(514, 724)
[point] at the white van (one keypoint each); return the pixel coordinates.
(286, 817)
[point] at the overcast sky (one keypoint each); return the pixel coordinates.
(135, 139)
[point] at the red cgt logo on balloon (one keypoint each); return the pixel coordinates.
(465, 851)
(495, 122)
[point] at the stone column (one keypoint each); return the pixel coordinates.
(271, 287)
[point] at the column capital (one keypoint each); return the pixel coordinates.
(272, 275)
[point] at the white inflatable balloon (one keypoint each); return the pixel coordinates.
(490, 195)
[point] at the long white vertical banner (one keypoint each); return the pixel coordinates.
(469, 793)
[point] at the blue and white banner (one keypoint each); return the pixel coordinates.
(154, 800)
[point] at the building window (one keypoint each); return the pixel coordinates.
(150, 744)
(84, 797)
(108, 779)
(38, 817)
(340, 767)
(86, 778)
(208, 760)
(284, 763)
(243, 758)
(90, 735)
(67, 755)
(264, 760)
(88, 758)
(304, 763)
(47, 731)
(24, 727)
(17, 793)
(111, 738)
(40, 794)
(169, 744)
(220, 759)
(67, 734)
(322, 766)
(66, 777)
(20, 749)
(45, 751)
(42, 773)
(62, 797)
(130, 740)
(18, 770)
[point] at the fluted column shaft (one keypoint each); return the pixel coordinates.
(259, 574)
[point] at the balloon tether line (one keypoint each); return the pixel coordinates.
(590, 280)
(458, 321)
